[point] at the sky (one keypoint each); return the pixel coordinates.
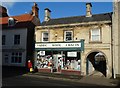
(59, 9)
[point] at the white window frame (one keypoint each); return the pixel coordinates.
(14, 57)
(65, 35)
(99, 35)
(43, 35)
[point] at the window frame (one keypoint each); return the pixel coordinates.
(16, 57)
(65, 35)
(4, 40)
(99, 35)
(43, 35)
(6, 58)
(16, 41)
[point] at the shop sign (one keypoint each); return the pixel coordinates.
(71, 54)
(58, 45)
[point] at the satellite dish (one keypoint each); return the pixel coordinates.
(11, 21)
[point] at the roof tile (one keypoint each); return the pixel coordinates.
(79, 19)
(20, 18)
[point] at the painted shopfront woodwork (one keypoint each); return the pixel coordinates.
(59, 56)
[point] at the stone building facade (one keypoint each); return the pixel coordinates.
(116, 38)
(89, 39)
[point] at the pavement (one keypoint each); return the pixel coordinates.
(103, 81)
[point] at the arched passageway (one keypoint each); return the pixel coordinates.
(96, 61)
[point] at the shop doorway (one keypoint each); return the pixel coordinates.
(58, 61)
(96, 61)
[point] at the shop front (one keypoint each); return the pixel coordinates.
(62, 57)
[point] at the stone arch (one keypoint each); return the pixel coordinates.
(96, 64)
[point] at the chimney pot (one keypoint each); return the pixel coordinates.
(47, 14)
(3, 11)
(35, 10)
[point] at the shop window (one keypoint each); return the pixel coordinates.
(45, 37)
(95, 35)
(3, 39)
(16, 57)
(68, 36)
(58, 61)
(72, 60)
(16, 39)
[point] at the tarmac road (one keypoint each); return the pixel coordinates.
(39, 81)
(18, 77)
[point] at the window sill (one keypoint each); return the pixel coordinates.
(96, 42)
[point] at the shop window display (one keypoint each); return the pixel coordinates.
(44, 62)
(58, 61)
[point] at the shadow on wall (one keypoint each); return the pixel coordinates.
(119, 83)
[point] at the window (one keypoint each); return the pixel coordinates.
(95, 35)
(6, 58)
(68, 36)
(16, 39)
(45, 36)
(16, 57)
(3, 39)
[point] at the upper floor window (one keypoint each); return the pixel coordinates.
(11, 21)
(68, 36)
(3, 39)
(95, 35)
(45, 37)
(16, 39)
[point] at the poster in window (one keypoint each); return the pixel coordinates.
(71, 54)
(41, 53)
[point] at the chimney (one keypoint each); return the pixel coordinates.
(3, 11)
(35, 10)
(47, 14)
(88, 10)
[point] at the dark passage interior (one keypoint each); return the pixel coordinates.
(98, 61)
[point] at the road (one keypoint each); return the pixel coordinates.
(16, 77)
(38, 81)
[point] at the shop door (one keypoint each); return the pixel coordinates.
(58, 62)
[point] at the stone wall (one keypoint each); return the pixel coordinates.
(83, 32)
(116, 37)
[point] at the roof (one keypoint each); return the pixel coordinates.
(20, 18)
(20, 21)
(78, 19)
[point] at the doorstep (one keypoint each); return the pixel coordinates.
(47, 70)
(62, 71)
(69, 71)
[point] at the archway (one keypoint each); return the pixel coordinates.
(96, 61)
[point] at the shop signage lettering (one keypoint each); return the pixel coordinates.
(58, 45)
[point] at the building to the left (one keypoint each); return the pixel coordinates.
(18, 36)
